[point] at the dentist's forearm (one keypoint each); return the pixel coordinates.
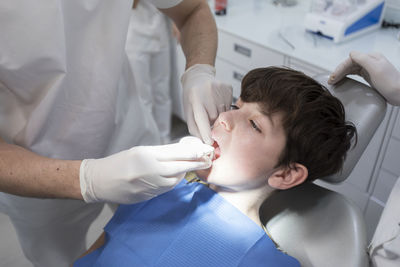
(199, 37)
(25, 173)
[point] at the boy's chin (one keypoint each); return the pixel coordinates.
(203, 174)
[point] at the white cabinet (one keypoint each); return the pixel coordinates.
(231, 74)
(246, 54)
(236, 57)
(307, 68)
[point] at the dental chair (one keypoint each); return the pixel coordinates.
(315, 225)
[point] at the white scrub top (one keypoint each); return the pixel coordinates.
(150, 28)
(384, 249)
(66, 90)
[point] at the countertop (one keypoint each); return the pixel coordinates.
(260, 22)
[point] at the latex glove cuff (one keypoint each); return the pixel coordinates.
(197, 70)
(86, 184)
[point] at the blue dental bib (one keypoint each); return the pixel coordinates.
(190, 225)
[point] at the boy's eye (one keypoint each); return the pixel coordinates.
(234, 107)
(254, 125)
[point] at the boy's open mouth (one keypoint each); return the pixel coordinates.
(217, 150)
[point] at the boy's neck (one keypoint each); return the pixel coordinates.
(247, 201)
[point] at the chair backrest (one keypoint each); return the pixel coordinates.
(313, 224)
(365, 108)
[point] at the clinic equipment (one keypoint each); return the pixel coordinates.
(340, 20)
(285, 2)
(220, 7)
(315, 225)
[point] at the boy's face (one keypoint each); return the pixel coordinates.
(248, 145)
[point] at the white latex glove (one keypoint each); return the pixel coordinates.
(376, 70)
(142, 172)
(203, 99)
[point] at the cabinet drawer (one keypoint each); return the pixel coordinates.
(372, 216)
(391, 160)
(396, 130)
(231, 74)
(308, 69)
(245, 54)
(384, 185)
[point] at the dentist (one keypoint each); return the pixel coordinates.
(71, 123)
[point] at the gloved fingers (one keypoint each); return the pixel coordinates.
(192, 126)
(221, 108)
(374, 67)
(228, 100)
(191, 140)
(191, 123)
(229, 97)
(174, 168)
(227, 93)
(366, 61)
(365, 74)
(374, 55)
(224, 96)
(174, 180)
(164, 181)
(344, 68)
(210, 104)
(182, 151)
(203, 122)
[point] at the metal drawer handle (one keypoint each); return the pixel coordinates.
(237, 76)
(242, 50)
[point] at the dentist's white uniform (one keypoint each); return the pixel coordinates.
(62, 96)
(384, 249)
(148, 48)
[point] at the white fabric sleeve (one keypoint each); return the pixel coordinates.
(384, 249)
(165, 3)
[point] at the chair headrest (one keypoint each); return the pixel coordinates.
(365, 108)
(317, 226)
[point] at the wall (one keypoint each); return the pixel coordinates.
(392, 12)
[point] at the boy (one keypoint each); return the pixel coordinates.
(284, 130)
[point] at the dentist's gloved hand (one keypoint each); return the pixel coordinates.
(376, 70)
(142, 172)
(203, 99)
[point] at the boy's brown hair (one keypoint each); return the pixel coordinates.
(317, 134)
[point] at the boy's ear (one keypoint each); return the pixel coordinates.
(286, 178)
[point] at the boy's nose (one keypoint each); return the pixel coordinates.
(225, 120)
